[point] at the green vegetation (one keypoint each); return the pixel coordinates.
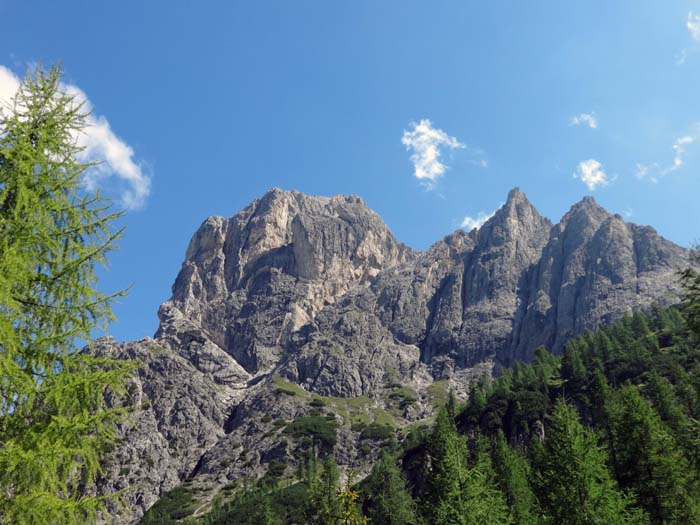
(404, 395)
(315, 499)
(439, 393)
(55, 422)
(288, 388)
(386, 494)
(377, 432)
(607, 433)
(318, 428)
(171, 507)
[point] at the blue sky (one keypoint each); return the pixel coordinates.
(200, 107)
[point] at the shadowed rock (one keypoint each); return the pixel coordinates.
(299, 298)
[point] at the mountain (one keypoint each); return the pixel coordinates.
(299, 302)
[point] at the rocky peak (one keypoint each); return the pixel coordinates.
(298, 296)
(594, 268)
(251, 280)
(585, 215)
(517, 217)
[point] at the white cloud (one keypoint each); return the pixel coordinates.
(653, 172)
(679, 150)
(584, 119)
(9, 84)
(693, 25)
(101, 145)
(682, 57)
(469, 223)
(590, 172)
(425, 142)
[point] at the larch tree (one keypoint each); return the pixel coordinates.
(649, 460)
(385, 489)
(55, 421)
(461, 494)
(572, 479)
(513, 472)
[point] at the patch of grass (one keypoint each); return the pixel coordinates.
(404, 395)
(316, 427)
(360, 418)
(358, 427)
(348, 402)
(288, 388)
(377, 432)
(382, 417)
(439, 393)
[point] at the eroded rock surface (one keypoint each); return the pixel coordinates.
(301, 305)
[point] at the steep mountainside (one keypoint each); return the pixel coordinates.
(298, 302)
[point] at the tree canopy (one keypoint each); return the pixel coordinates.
(55, 420)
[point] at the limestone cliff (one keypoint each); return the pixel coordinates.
(300, 301)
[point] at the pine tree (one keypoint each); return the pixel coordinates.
(512, 472)
(484, 503)
(389, 500)
(690, 280)
(269, 517)
(448, 455)
(54, 420)
(571, 477)
(326, 507)
(649, 461)
(460, 495)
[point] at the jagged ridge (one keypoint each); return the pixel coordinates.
(318, 292)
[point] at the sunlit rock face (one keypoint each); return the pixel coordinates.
(298, 297)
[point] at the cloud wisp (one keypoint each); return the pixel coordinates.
(115, 158)
(591, 173)
(469, 222)
(693, 25)
(654, 172)
(584, 119)
(425, 143)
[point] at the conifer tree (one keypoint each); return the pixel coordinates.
(690, 280)
(389, 500)
(326, 507)
(460, 495)
(268, 516)
(448, 455)
(512, 472)
(348, 498)
(649, 460)
(484, 503)
(54, 420)
(572, 480)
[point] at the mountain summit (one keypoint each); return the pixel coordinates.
(299, 300)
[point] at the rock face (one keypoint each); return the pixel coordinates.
(252, 280)
(299, 301)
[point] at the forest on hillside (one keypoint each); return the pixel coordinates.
(607, 433)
